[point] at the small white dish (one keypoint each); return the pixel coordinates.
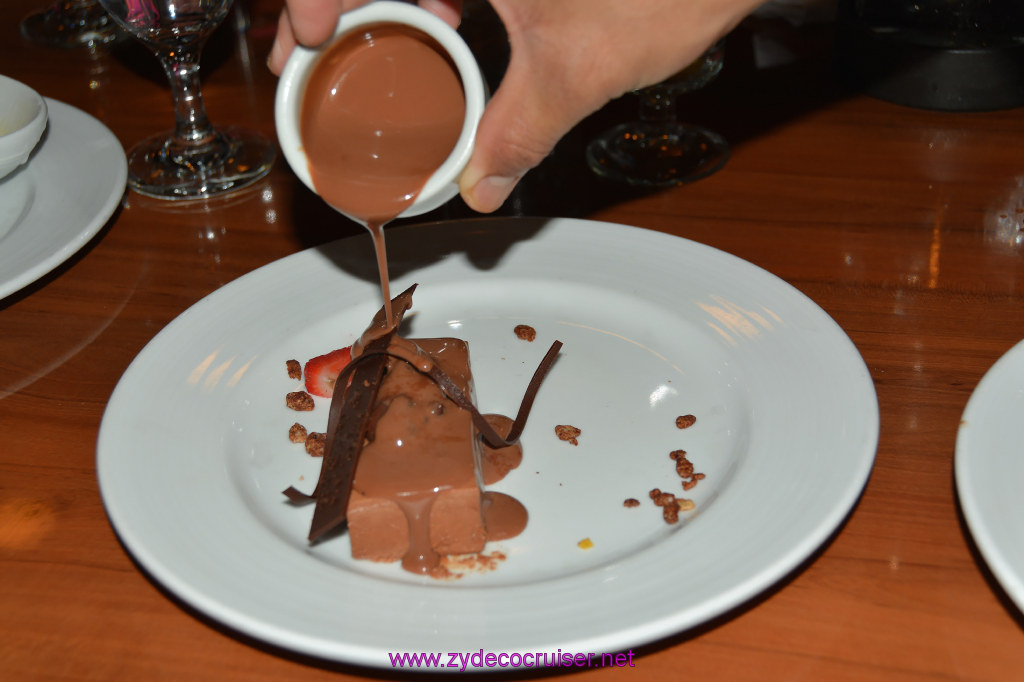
(443, 184)
(52, 206)
(22, 122)
(654, 327)
(989, 470)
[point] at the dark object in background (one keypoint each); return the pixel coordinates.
(950, 55)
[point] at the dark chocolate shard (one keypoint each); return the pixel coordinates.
(347, 423)
(399, 305)
(346, 426)
(296, 496)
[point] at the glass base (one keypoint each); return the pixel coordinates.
(657, 154)
(67, 26)
(159, 168)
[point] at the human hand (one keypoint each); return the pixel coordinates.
(568, 59)
(311, 22)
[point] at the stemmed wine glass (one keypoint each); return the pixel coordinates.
(70, 23)
(658, 150)
(195, 160)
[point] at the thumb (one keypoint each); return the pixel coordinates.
(520, 126)
(568, 58)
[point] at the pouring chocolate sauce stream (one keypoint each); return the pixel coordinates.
(382, 111)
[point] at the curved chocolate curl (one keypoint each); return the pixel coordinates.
(487, 432)
(450, 389)
(490, 436)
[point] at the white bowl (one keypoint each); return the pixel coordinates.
(22, 122)
(443, 184)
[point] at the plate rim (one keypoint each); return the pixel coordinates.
(984, 530)
(114, 177)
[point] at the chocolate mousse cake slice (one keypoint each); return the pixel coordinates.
(405, 464)
(420, 462)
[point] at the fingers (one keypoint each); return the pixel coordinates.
(448, 10)
(568, 59)
(515, 134)
(284, 43)
(303, 22)
(311, 22)
(553, 81)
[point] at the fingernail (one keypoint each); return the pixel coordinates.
(272, 58)
(489, 193)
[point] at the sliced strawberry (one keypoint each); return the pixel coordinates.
(322, 371)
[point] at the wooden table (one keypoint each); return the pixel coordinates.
(904, 225)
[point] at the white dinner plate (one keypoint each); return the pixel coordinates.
(193, 451)
(53, 205)
(990, 470)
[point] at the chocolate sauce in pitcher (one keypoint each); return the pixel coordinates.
(382, 110)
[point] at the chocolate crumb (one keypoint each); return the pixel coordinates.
(316, 443)
(569, 433)
(685, 421)
(299, 401)
(687, 485)
(631, 502)
(668, 503)
(297, 433)
(684, 467)
(459, 564)
(294, 369)
(525, 332)
(662, 499)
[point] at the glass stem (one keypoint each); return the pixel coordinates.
(79, 12)
(657, 105)
(192, 129)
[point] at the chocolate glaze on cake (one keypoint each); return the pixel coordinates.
(406, 463)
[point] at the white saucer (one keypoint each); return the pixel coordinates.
(193, 450)
(53, 205)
